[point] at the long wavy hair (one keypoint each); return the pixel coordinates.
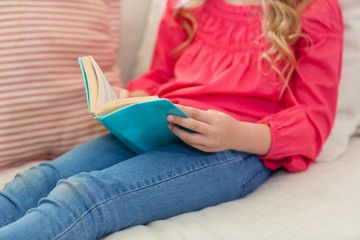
(281, 28)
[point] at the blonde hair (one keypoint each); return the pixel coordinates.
(281, 28)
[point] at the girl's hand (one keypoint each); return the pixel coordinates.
(139, 93)
(214, 131)
(123, 93)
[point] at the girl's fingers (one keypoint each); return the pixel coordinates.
(197, 114)
(189, 123)
(189, 138)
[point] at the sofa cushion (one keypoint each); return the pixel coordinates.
(43, 110)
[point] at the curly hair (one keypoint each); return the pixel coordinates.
(281, 28)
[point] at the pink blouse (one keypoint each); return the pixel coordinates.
(222, 70)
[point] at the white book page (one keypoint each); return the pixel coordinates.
(106, 94)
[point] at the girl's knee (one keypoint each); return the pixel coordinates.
(80, 188)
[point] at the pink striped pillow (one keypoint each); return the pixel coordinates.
(43, 110)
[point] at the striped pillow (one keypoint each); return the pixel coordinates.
(43, 110)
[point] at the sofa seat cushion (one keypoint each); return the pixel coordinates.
(322, 203)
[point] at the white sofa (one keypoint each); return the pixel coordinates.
(322, 203)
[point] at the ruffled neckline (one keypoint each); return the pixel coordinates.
(225, 8)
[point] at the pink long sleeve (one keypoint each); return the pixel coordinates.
(299, 131)
(170, 35)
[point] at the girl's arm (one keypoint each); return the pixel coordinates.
(299, 131)
(216, 131)
(293, 137)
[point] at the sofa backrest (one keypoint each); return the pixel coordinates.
(134, 17)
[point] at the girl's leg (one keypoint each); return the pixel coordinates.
(156, 185)
(27, 188)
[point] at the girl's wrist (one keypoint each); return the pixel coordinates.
(252, 138)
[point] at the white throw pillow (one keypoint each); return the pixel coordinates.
(348, 115)
(350, 87)
(43, 110)
(147, 46)
(347, 119)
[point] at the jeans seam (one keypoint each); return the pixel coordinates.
(145, 187)
(256, 172)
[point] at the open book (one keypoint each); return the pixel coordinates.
(138, 122)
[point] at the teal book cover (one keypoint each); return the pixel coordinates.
(141, 126)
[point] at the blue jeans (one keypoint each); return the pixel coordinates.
(102, 187)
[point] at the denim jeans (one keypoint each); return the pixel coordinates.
(102, 187)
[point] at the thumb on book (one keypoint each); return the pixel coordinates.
(123, 93)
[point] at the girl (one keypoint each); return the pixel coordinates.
(258, 79)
